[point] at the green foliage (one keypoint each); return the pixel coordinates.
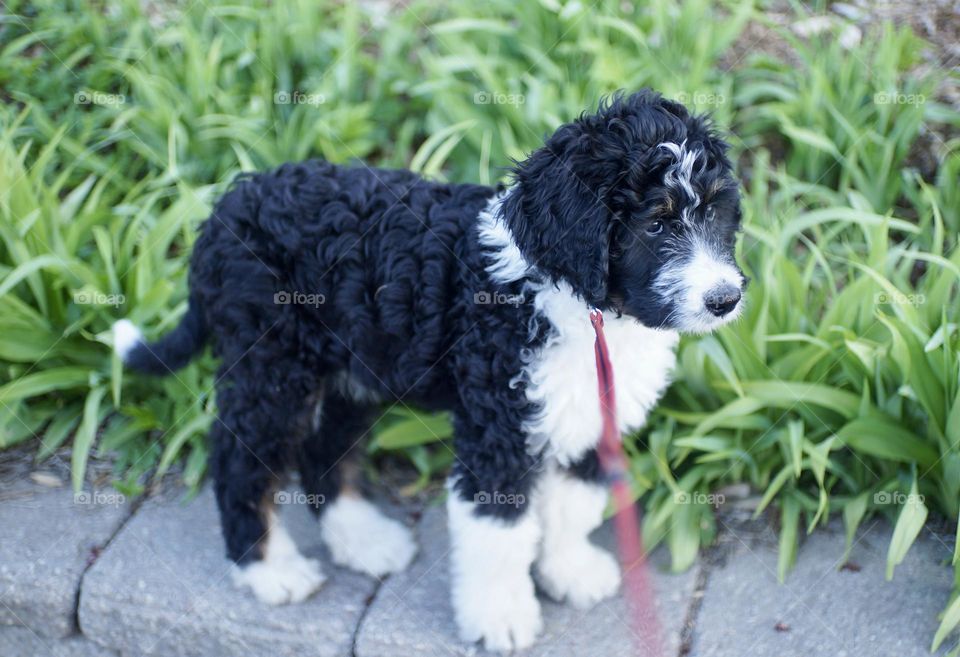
(838, 391)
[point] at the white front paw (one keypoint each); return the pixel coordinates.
(281, 580)
(582, 575)
(504, 621)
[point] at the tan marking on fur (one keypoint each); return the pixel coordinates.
(351, 475)
(267, 511)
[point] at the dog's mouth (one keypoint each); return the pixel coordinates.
(709, 320)
(688, 305)
(700, 292)
(673, 318)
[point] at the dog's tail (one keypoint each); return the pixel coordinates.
(169, 353)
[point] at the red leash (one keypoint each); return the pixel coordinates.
(637, 586)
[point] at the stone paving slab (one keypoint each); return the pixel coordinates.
(411, 614)
(48, 539)
(820, 610)
(163, 587)
(24, 642)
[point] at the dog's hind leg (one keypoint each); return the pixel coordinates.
(259, 400)
(357, 534)
(337, 428)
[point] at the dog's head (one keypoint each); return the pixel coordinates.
(637, 209)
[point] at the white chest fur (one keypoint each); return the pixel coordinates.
(562, 376)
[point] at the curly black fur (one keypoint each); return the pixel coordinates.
(359, 285)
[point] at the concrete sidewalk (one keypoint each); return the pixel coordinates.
(96, 575)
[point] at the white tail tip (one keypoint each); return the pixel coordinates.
(126, 336)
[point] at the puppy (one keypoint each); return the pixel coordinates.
(328, 291)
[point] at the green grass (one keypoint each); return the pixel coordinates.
(837, 393)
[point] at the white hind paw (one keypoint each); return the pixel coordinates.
(282, 580)
(362, 538)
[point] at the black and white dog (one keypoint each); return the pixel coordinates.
(327, 291)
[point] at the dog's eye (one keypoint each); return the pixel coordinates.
(655, 228)
(711, 213)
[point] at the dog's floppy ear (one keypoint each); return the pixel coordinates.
(558, 215)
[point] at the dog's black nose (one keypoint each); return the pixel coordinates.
(721, 300)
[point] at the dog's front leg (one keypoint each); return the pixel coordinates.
(494, 535)
(491, 587)
(570, 503)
